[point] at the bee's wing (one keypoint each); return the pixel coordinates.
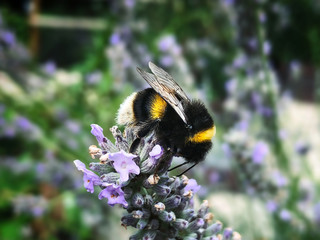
(163, 83)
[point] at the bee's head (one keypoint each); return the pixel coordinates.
(198, 118)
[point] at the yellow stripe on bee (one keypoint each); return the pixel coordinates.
(158, 107)
(203, 136)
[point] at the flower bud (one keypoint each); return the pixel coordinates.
(137, 214)
(208, 217)
(172, 202)
(236, 236)
(148, 200)
(188, 214)
(151, 180)
(213, 228)
(196, 224)
(184, 181)
(104, 159)
(204, 208)
(154, 224)
(94, 151)
(148, 166)
(146, 213)
(142, 223)
(167, 216)
(101, 168)
(175, 183)
(162, 190)
(129, 220)
(180, 224)
(150, 235)
(212, 238)
(127, 192)
(137, 200)
(227, 234)
(159, 207)
(110, 177)
(192, 236)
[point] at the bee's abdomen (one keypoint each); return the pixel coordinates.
(148, 105)
(125, 115)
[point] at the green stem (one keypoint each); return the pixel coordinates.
(272, 122)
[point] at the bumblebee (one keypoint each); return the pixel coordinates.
(181, 125)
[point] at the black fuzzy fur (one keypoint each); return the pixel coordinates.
(171, 131)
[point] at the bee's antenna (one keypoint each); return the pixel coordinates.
(186, 170)
(180, 165)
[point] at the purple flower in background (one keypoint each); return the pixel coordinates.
(114, 194)
(192, 185)
(280, 180)
(271, 206)
(37, 211)
(317, 212)
(227, 233)
(123, 163)
(242, 125)
(166, 61)
(49, 68)
(73, 126)
(90, 179)
(115, 38)
(265, 111)
(23, 123)
(129, 3)
(283, 134)
(239, 61)
(176, 50)
(259, 152)
(166, 42)
(253, 43)
(262, 17)
(226, 149)
(301, 147)
(97, 131)
(267, 47)
(256, 99)
(285, 215)
(214, 177)
(8, 37)
(10, 132)
(94, 77)
(228, 3)
(230, 86)
(295, 66)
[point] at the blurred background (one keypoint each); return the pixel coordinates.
(67, 64)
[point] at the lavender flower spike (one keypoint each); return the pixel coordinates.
(89, 178)
(114, 194)
(123, 164)
(97, 131)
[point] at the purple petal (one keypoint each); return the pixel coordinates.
(192, 185)
(97, 131)
(80, 165)
(114, 194)
(123, 164)
(89, 178)
(156, 152)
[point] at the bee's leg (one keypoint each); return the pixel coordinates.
(180, 165)
(186, 170)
